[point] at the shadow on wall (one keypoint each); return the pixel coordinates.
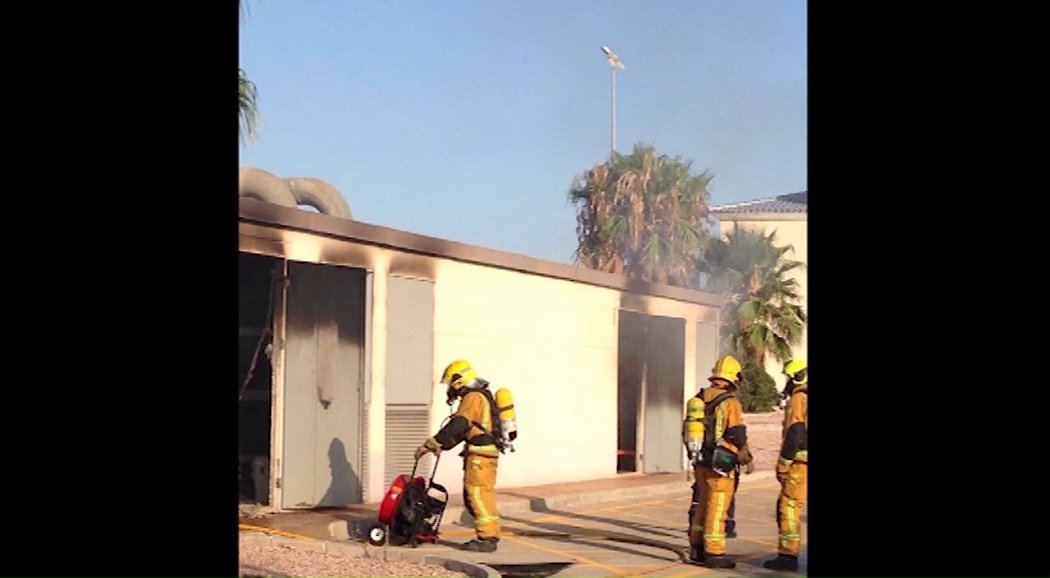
(345, 482)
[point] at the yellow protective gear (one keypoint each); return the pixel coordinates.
(474, 407)
(508, 420)
(789, 509)
(727, 368)
(479, 467)
(797, 371)
(791, 472)
(479, 494)
(480, 459)
(708, 528)
(458, 374)
(729, 418)
(693, 427)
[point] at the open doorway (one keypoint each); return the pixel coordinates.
(257, 275)
(650, 393)
(630, 377)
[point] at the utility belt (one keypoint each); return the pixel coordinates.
(481, 445)
(485, 439)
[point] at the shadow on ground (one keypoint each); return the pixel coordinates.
(605, 539)
(529, 570)
(539, 505)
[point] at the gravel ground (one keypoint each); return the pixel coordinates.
(281, 562)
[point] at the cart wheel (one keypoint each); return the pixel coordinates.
(377, 535)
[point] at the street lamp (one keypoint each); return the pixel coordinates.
(614, 63)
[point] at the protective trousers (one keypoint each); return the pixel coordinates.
(479, 494)
(789, 509)
(730, 516)
(709, 521)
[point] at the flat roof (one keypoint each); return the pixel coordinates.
(269, 214)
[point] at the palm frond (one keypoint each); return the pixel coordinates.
(764, 314)
(646, 209)
(248, 106)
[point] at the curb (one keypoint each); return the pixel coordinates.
(512, 506)
(395, 554)
(354, 530)
(472, 569)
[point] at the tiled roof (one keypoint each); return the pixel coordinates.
(792, 203)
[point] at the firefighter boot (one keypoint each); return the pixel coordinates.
(782, 563)
(696, 555)
(481, 545)
(718, 561)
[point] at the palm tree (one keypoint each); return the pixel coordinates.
(643, 216)
(247, 98)
(764, 316)
(247, 102)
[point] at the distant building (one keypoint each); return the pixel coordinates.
(787, 215)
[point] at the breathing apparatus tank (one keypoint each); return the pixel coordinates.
(507, 419)
(693, 432)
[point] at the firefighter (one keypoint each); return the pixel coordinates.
(791, 468)
(748, 469)
(716, 465)
(473, 424)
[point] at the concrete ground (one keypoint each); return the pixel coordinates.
(660, 521)
(573, 535)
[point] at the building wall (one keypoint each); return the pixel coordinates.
(787, 233)
(552, 342)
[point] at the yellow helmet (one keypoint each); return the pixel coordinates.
(458, 374)
(796, 371)
(727, 368)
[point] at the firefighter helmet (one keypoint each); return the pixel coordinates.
(796, 370)
(458, 374)
(727, 368)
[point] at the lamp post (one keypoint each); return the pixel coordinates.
(614, 63)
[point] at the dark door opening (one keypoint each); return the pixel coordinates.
(650, 393)
(630, 376)
(257, 277)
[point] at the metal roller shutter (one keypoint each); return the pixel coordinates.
(407, 426)
(365, 489)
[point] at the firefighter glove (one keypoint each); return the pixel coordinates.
(429, 446)
(744, 456)
(749, 468)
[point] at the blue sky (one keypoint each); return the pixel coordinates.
(467, 120)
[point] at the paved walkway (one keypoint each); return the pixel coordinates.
(640, 536)
(661, 522)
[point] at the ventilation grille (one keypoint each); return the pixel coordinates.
(407, 426)
(365, 486)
